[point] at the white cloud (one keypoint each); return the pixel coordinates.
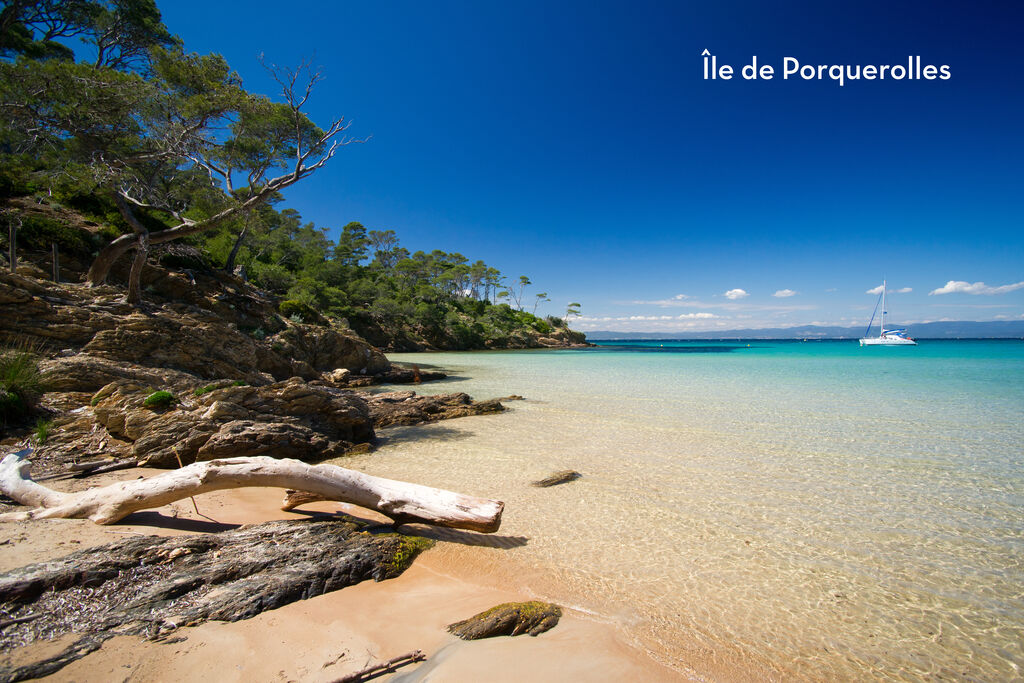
(734, 294)
(783, 293)
(878, 290)
(961, 287)
(696, 316)
(680, 297)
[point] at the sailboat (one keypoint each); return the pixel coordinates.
(885, 337)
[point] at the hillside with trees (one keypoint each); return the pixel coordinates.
(120, 150)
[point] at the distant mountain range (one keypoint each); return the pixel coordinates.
(1000, 329)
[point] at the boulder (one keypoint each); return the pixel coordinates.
(324, 349)
(409, 408)
(290, 419)
(509, 619)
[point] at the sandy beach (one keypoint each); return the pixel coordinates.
(327, 637)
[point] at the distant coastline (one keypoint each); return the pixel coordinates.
(998, 329)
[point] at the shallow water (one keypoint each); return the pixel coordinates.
(814, 510)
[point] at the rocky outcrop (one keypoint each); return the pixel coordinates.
(219, 330)
(81, 372)
(409, 408)
(290, 419)
(151, 585)
(509, 619)
(325, 349)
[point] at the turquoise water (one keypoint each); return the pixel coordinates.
(809, 510)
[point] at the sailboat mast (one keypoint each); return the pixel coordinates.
(881, 325)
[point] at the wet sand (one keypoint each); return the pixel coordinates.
(327, 637)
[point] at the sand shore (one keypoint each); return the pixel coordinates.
(329, 636)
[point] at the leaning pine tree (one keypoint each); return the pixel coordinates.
(173, 135)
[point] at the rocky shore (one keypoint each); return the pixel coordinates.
(207, 369)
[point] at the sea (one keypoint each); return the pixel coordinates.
(795, 510)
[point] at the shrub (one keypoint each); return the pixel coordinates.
(159, 400)
(43, 428)
(21, 382)
(39, 232)
(298, 312)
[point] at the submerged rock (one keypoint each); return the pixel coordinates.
(509, 619)
(409, 408)
(556, 478)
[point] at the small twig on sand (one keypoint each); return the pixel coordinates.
(19, 620)
(84, 469)
(383, 668)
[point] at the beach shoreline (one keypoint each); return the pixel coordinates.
(329, 636)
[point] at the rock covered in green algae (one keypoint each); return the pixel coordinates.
(509, 619)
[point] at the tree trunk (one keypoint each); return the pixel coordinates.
(230, 265)
(106, 258)
(12, 234)
(134, 277)
(399, 500)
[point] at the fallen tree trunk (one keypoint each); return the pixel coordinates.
(401, 501)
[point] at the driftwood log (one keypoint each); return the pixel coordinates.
(401, 501)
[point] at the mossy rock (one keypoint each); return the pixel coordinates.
(159, 400)
(405, 552)
(509, 619)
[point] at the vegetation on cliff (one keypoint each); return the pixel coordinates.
(108, 116)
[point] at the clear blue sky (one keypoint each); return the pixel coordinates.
(579, 144)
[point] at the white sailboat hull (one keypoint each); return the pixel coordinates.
(887, 341)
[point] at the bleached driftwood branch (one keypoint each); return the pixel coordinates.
(399, 500)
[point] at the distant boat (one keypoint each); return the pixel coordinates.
(885, 337)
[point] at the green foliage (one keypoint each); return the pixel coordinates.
(21, 382)
(297, 311)
(43, 429)
(159, 400)
(201, 391)
(39, 232)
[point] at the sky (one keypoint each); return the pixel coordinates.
(579, 143)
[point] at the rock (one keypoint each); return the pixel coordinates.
(80, 372)
(409, 408)
(325, 349)
(214, 327)
(556, 478)
(290, 419)
(338, 376)
(151, 585)
(397, 375)
(509, 619)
